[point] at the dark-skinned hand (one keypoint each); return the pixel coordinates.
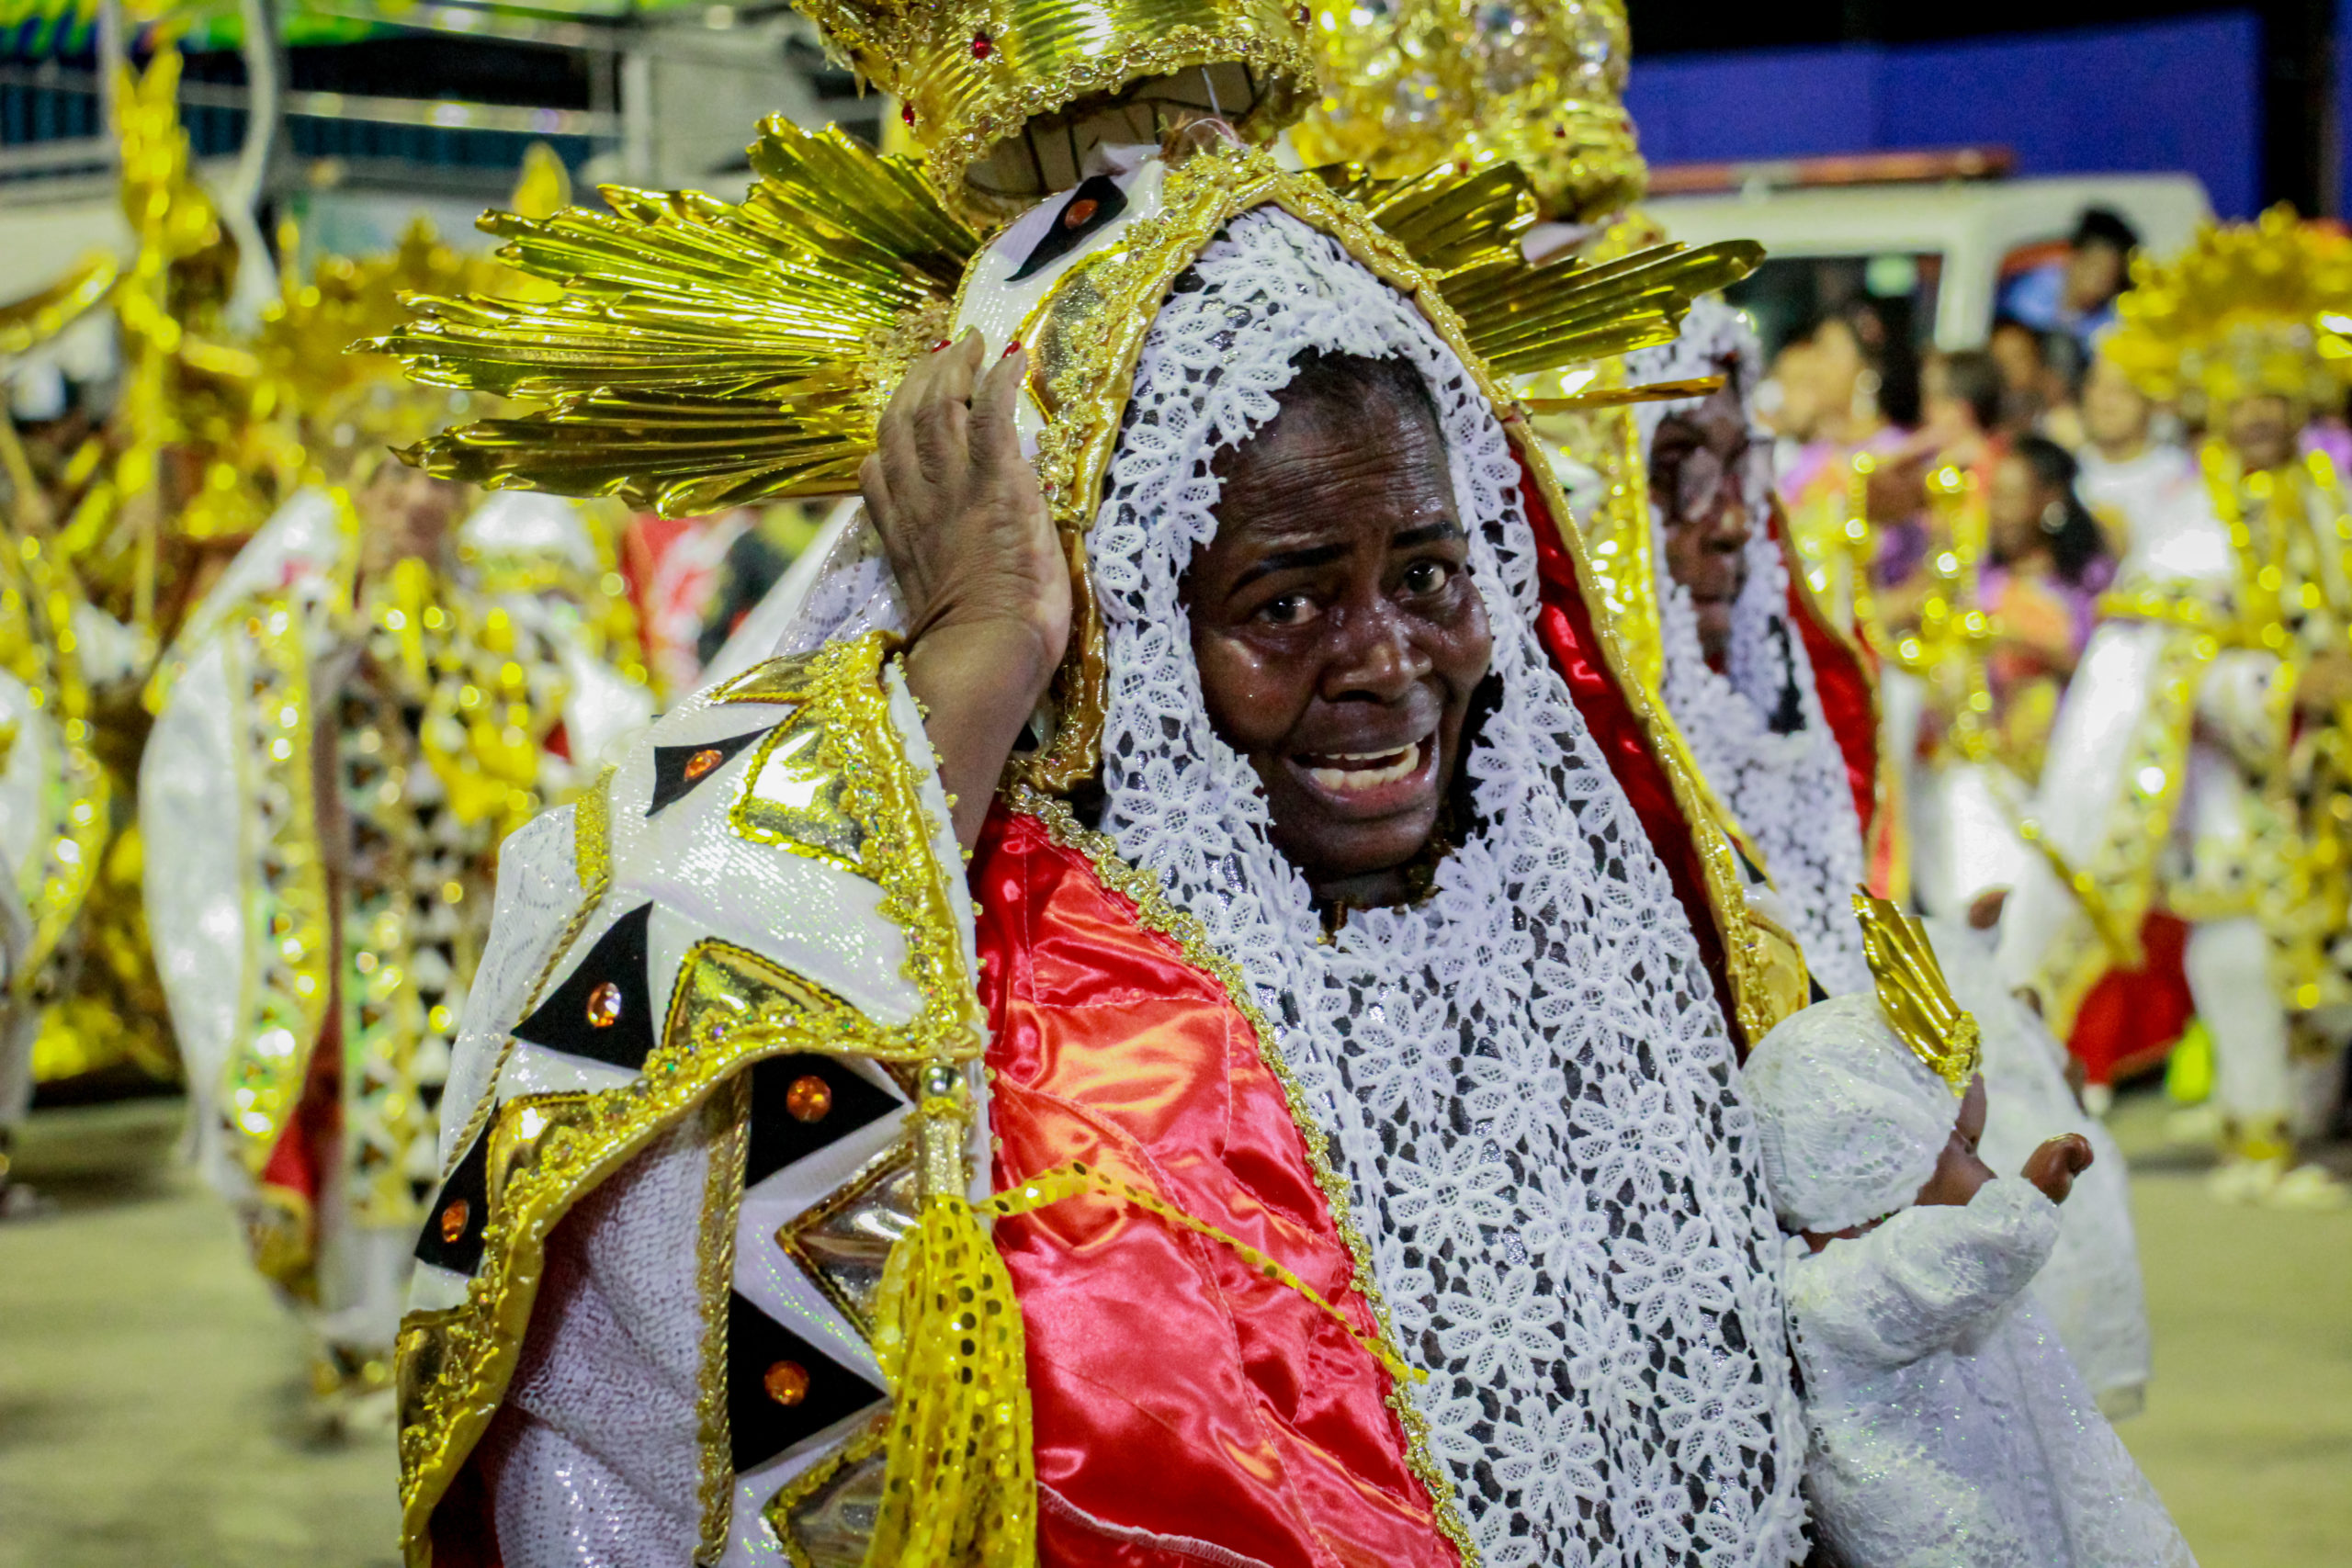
(2053, 1165)
(978, 564)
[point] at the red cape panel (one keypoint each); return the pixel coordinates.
(1181, 1400)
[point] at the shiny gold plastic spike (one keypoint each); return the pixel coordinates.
(1912, 992)
(701, 354)
(28, 323)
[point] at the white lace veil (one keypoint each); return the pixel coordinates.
(1527, 1080)
(1789, 790)
(1527, 1076)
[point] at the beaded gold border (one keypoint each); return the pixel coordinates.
(287, 985)
(1156, 913)
(728, 1117)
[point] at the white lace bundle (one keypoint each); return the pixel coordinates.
(1526, 1077)
(1852, 1122)
(1789, 791)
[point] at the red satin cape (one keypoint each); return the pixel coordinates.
(1184, 1405)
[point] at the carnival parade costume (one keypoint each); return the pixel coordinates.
(706, 1276)
(1787, 734)
(342, 738)
(53, 792)
(2189, 784)
(1948, 1426)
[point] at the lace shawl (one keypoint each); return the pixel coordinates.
(1526, 1077)
(1789, 791)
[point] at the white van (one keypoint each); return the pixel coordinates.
(1950, 244)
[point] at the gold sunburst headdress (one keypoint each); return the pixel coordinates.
(2248, 308)
(1409, 83)
(1913, 994)
(704, 355)
(971, 76)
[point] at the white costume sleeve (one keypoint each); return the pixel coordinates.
(2238, 704)
(1924, 1279)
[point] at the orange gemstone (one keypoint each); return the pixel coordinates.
(787, 1381)
(702, 762)
(453, 1219)
(809, 1098)
(1076, 214)
(604, 1006)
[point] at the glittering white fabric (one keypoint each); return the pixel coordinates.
(1527, 1081)
(2090, 1289)
(595, 1456)
(1949, 1428)
(1851, 1121)
(1789, 789)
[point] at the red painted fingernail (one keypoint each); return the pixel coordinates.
(1012, 348)
(943, 343)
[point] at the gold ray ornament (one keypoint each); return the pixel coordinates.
(703, 355)
(1919, 1005)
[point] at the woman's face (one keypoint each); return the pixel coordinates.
(1837, 363)
(2014, 505)
(1698, 468)
(1339, 636)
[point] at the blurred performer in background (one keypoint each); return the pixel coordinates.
(374, 692)
(188, 461)
(54, 795)
(2199, 764)
(1734, 631)
(2140, 485)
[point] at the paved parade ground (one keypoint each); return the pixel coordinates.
(152, 1412)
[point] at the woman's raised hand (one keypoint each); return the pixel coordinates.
(979, 566)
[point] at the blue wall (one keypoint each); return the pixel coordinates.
(2157, 96)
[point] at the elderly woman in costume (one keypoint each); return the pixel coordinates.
(1337, 1035)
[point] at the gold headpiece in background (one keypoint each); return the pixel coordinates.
(1912, 993)
(970, 76)
(1409, 83)
(2248, 308)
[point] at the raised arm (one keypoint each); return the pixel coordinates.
(985, 585)
(1925, 1278)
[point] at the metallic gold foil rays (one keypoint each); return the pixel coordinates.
(701, 354)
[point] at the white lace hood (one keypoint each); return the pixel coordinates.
(1527, 1080)
(1789, 790)
(1852, 1122)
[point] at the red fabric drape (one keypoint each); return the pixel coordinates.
(2132, 1017)
(1186, 1408)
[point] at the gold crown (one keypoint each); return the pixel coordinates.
(971, 74)
(2248, 308)
(1912, 993)
(1410, 83)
